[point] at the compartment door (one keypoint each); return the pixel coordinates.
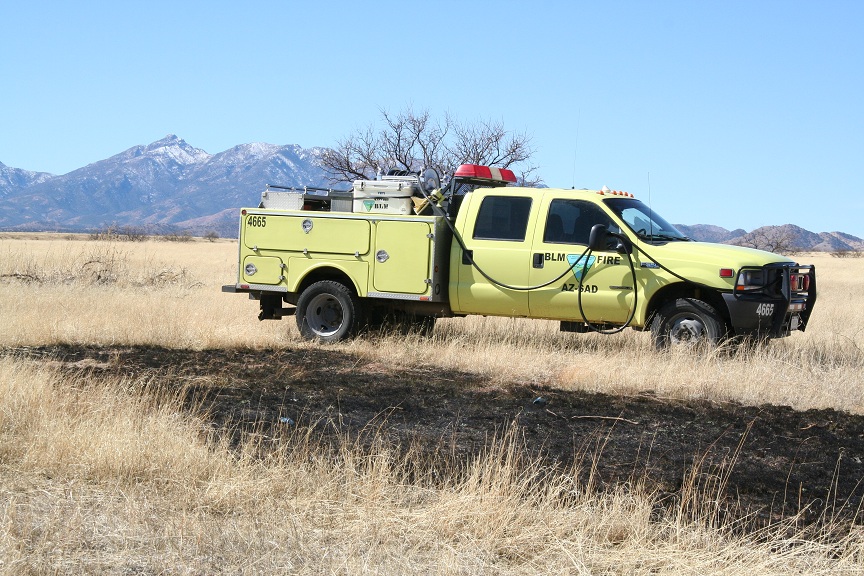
(401, 257)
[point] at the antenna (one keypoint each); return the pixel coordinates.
(576, 149)
(650, 206)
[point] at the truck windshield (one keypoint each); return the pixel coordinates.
(647, 224)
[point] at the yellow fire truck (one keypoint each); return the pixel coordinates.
(596, 260)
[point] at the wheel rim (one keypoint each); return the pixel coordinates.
(324, 315)
(686, 330)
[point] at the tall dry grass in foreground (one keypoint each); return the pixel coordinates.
(58, 291)
(115, 478)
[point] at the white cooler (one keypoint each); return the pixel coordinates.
(383, 196)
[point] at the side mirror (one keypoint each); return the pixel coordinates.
(598, 238)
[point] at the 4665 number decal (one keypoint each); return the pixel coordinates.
(256, 221)
(765, 309)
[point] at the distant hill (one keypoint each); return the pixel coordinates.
(709, 233)
(171, 186)
(786, 238)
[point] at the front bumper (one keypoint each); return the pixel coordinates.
(779, 307)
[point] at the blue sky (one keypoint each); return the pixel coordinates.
(739, 114)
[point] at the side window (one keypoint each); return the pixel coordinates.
(570, 221)
(502, 218)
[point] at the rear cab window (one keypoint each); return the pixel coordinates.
(503, 218)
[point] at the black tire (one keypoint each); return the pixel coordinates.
(687, 322)
(328, 311)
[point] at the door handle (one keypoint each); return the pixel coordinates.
(537, 260)
(466, 254)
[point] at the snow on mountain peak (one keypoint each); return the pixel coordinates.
(174, 148)
(253, 151)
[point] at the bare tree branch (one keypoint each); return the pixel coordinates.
(355, 157)
(412, 141)
(775, 239)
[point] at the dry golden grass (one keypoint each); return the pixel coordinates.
(58, 290)
(115, 477)
(823, 367)
(109, 478)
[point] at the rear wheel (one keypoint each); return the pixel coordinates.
(687, 322)
(327, 311)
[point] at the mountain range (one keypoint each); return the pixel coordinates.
(164, 186)
(785, 238)
(171, 186)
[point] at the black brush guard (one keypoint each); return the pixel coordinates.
(782, 304)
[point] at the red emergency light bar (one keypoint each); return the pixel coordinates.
(475, 171)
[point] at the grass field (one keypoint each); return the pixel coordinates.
(168, 293)
(118, 477)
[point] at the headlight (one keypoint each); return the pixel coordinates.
(750, 280)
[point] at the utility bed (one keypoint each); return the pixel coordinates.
(387, 255)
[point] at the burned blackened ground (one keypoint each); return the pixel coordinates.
(771, 461)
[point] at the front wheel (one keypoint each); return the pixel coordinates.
(687, 322)
(327, 311)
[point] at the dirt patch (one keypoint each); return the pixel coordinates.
(767, 461)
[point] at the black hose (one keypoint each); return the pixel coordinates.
(632, 310)
(583, 258)
(467, 253)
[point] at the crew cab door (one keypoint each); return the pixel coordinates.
(560, 238)
(498, 233)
